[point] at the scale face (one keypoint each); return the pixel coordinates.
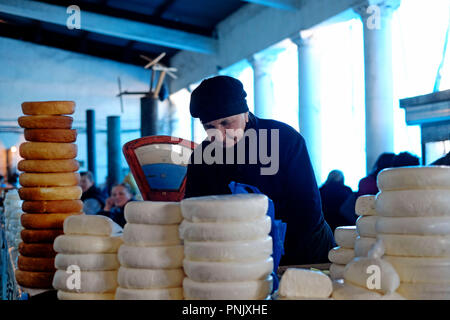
(159, 166)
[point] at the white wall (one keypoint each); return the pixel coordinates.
(31, 72)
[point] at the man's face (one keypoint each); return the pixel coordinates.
(227, 130)
(85, 183)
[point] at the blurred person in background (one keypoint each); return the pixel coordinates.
(92, 197)
(368, 185)
(114, 208)
(405, 159)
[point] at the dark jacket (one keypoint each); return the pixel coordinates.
(333, 196)
(117, 214)
(293, 189)
(93, 194)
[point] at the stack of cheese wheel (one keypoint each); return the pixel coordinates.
(87, 258)
(227, 247)
(365, 225)
(151, 257)
(49, 187)
(414, 226)
(342, 254)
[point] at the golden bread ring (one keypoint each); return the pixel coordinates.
(48, 107)
(45, 122)
(47, 150)
(37, 280)
(52, 206)
(66, 179)
(44, 220)
(51, 135)
(36, 264)
(50, 166)
(40, 236)
(50, 193)
(38, 250)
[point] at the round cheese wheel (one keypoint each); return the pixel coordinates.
(305, 283)
(153, 212)
(47, 150)
(416, 246)
(94, 225)
(50, 193)
(88, 261)
(365, 226)
(45, 122)
(151, 235)
(211, 271)
(48, 107)
(345, 236)
(337, 271)
(133, 278)
(30, 279)
(52, 206)
(50, 135)
(160, 257)
(242, 290)
(420, 269)
(249, 250)
(425, 291)
(72, 243)
(225, 208)
(365, 205)
(340, 255)
(413, 225)
(363, 246)
(37, 250)
(90, 281)
(413, 203)
(64, 295)
(48, 166)
(406, 178)
(230, 231)
(43, 235)
(149, 294)
(36, 264)
(44, 220)
(67, 179)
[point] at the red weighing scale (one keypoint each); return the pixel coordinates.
(159, 166)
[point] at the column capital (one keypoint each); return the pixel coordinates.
(262, 61)
(303, 38)
(385, 7)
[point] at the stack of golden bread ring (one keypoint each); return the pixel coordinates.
(49, 187)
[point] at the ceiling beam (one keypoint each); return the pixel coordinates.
(277, 4)
(112, 26)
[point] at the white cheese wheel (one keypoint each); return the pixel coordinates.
(133, 278)
(420, 269)
(90, 281)
(88, 261)
(95, 225)
(365, 226)
(345, 236)
(340, 255)
(72, 243)
(153, 212)
(64, 295)
(365, 205)
(304, 283)
(416, 246)
(210, 271)
(413, 203)
(348, 291)
(337, 271)
(363, 246)
(425, 291)
(250, 250)
(413, 225)
(405, 178)
(163, 257)
(242, 290)
(149, 294)
(362, 271)
(151, 235)
(225, 208)
(230, 231)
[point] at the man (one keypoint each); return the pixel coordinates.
(93, 199)
(286, 176)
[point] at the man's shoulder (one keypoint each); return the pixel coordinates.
(285, 130)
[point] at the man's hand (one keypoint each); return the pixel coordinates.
(109, 204)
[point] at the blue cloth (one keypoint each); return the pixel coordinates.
(277, 231)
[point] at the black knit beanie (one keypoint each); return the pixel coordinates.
(218, 97)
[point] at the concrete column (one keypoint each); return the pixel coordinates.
(376, 18)
(114, 151)
(91, 148)
(264, 101)
(149, 116)
(309, 98)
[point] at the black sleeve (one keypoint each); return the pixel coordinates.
(195, 177)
